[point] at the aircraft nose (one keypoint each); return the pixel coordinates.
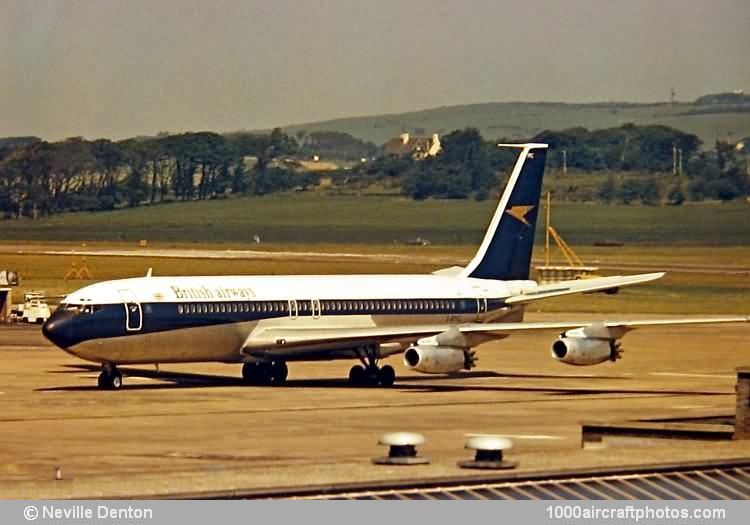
(59, 328)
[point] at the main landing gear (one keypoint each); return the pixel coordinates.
(372, 375)
(110, 378)
(369, 373)
(265, 373)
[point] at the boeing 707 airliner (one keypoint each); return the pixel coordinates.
(263, 323)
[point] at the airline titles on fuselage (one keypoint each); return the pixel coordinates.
(204, 292)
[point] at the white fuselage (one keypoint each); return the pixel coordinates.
(213, 318)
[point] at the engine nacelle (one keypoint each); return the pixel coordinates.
(438, 359)
(584, 351)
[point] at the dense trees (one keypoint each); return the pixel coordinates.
(41, 178)
(467, 166)
(627, 148)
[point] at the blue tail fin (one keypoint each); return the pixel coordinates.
(505, 253)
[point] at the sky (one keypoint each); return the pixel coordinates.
(120, 68)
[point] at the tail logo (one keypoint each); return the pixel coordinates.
(519, 213)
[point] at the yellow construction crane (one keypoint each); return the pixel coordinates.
(575, 269)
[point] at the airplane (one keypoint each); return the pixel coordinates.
(263, 322)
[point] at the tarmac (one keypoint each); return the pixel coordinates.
(192, 429)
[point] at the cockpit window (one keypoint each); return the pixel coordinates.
(79, 308)
(70, 307)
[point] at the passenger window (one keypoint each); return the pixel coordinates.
(179, 309)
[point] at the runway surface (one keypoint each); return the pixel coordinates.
(193, 428)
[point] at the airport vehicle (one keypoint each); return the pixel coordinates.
(34, 308)
(264, 322)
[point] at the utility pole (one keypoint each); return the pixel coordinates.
(674, 159)
(679, 161)
(565, 161)
(546, 231)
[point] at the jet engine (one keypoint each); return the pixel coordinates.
(584, 351)
(438, 359)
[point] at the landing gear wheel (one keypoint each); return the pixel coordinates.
(110, 378)
(357, 375)
(251, 373)
(274, 373)
(279, 372)
(372, 376)
(386, 376)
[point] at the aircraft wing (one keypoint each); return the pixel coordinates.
(596, 284)
(297, 342)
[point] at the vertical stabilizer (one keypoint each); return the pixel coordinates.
(505, 253)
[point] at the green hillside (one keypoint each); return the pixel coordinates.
(315, 218)
(520, 120)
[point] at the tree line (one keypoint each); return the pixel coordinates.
(648, 164)
(40, 178)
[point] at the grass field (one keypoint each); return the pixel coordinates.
(311, 218)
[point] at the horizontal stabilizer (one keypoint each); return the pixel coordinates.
(452, 271)
(546, 291)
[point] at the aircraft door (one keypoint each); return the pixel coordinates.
(481, 307)
(315, 307)
(133, 311)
